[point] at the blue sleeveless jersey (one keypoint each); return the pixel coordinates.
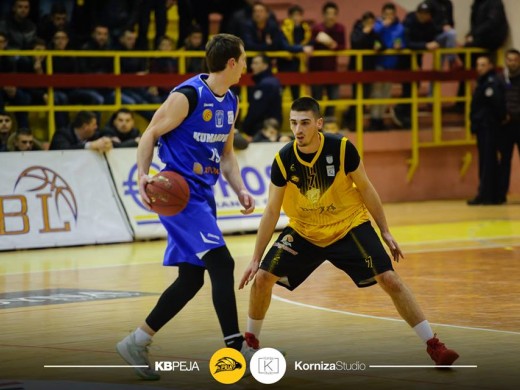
(193, 149)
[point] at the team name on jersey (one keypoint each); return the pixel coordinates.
(210, 137)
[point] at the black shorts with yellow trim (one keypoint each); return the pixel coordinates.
(360, 254)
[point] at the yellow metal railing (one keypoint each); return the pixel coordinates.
(359, 101)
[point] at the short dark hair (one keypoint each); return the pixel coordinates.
(58, 8)
(513, 51)
(389, 6)
(293, 9)
(220, 49)
(307, 103)
(22, 131)
(328, 5)
(368, 15)
(82, 118)
(488, 57)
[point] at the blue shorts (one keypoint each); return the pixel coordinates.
(194, 230)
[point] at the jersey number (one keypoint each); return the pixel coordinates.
(215, 157)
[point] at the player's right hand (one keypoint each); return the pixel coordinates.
(249, 274)
(143, 181)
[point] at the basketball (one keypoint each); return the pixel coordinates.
(169, 193)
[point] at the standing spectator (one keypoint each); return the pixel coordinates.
(488, 25)
(10, 94)
(488, 112)
(364, 37)
(297, 34)
(261, 33)
(442, 14)
(194, 42)
(121, 129)
(22, 140)
(6, 127)
(265, 97)
(163, 65)
(81, 134)
(160, 11)
(327, 35)
(510, 134)
(99, 41)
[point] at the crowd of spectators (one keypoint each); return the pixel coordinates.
(123, 25)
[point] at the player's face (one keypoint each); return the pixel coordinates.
(305, 128)
(240, 65)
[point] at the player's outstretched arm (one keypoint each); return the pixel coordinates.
(265, 231)
(167, 117)
(375, 207)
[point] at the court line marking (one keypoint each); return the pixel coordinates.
(285, 300)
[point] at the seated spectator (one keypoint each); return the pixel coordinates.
(270, 131)
(195, 42)
(20, 30)
(163, 65)
(10, 94)
(81, 134)
(6, 128)
(297, 35)
(121, 130)
(330, 125)
(22, 140)
(265, 97)
(56, 20)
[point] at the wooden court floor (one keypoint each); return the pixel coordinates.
(461, 262)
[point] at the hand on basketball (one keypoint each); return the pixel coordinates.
(394, 247)
(247, 201)
(249, 274)
(143, 181)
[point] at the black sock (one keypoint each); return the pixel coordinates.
(235, 342)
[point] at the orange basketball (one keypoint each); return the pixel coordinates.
(169, 193)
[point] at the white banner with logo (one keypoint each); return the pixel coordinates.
(58, 198)
(255, 165)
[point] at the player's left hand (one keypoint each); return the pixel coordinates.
(247, 201)
(394, 247)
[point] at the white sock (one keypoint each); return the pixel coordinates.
(141, 337)
(424, 330)
(254, 326)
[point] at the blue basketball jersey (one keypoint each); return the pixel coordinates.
(193, 149)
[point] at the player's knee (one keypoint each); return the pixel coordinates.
(390, 282)
(264, 280)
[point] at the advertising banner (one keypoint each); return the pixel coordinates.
(58, 198)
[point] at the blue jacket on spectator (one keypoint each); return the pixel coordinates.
(388, 36)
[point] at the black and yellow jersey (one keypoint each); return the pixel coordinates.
(321, 200)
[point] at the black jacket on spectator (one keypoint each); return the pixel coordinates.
(416, 34)
(513, 97)
(96, 64)
(362, 41)
(254, 39)
(21, 35)
(489, 26)
(127, 139)
(66, 138)
(265, 101)
(488, 106)
(442, 12)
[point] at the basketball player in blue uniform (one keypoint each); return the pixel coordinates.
(194, 128)
(321, 183)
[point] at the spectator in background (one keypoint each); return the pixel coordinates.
(488, 112)
(442, 14)
(269, 132)
(138, 66)
(10, 94)
(261, 33)
(163, 65)
(195, 42)
(488, 25)
(297, 34)
(265, 97)
(6, 128)
(81, 134)
(391, 33)
(22, 140)
(160, 11)
(364, 37)
(327, 35)
(56, 20)
(99, 41)
(510, 134)
(20, 30)
(330, 126)
(121, 129)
